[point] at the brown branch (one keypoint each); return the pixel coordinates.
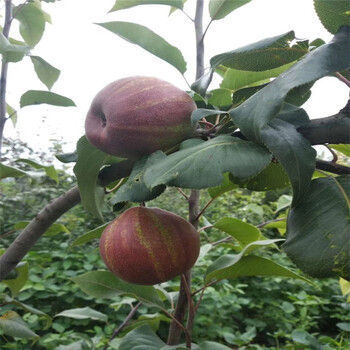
(333, 129)
(175, 331)
(35, 229)
(332, 167)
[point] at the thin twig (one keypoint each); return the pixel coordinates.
(183, 193)
(123, 324)
(224, 240)
(205, 228)
(206, 29)
(187, 15)
(191, 313)
(115, 187)
(334, 155)
(269, 222)
(204, 209)
(202, 290)
(342, 78)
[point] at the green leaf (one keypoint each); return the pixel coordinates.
(12, 114)
(318, 229)
(219, 9)
(11, 52)
(201, 85)
(326, 59)
(141, 338)
(71, 157)
(148, 40)
(241, 95)
(103, 284)
(134, 189)
(9, 171)
(210, 345)
(283, 202)
(83, 313)
(243, 232)
(202, 166)
(47, 74)
(30, 309)
(11, 324)
(344, 287)
(32, 22)
(89, 236)
(227, 267)
(305, 338)
(273, 177)
(220, 97)
(50, 170)
(125, 4)
(280, 225)
(37, 97)
(293, 115)
(263, 55)
(16, 284)
(53, 230)
(226, 261)
(333, 13)
(234, 79)
(294, 153)
(299, 95)
(344, 326)
(153, 320)
(226, 186)
(90, 160)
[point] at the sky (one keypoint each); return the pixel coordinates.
(90, 57)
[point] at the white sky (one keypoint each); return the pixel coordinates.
(90, 57)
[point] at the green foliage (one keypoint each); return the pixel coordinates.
(333, 13)
(36, 97)
(202, 166)
(219, 9)
(90, 160)
(47, 74)
(32, 21)
(308, 226)
(148, 40)
(103, 284)
(263, 55)
(134, 189)
(124, 4)
(11, 52)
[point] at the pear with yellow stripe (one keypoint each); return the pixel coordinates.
(136, 116)
(149, 245)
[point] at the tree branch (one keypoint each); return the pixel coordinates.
(333, 129)
(193, 201)
(332, 167)
(35, 229)
(4, 70)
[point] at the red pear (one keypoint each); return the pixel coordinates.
(149, 246)
(136, 116)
